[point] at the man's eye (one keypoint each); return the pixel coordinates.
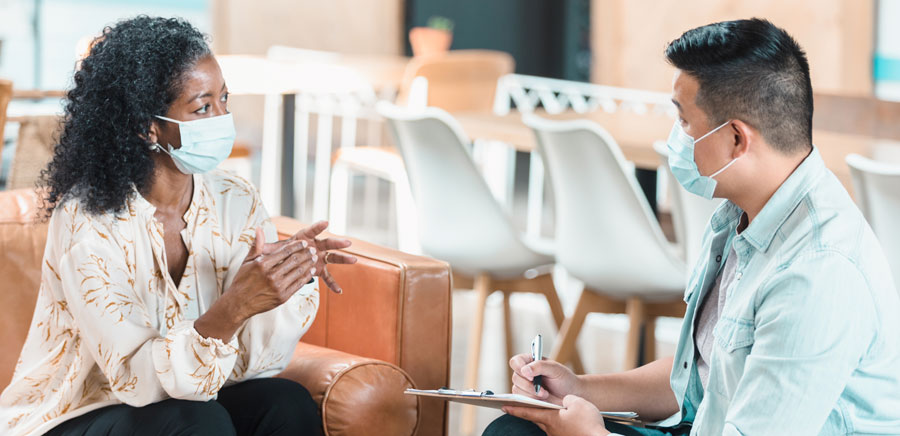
(202, 110)
(225, 98)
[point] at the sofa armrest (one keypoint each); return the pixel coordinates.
(395, 308)
(356, 395)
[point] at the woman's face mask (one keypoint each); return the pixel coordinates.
(684, 167)
(205, 143)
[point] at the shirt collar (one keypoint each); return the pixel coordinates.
(762, 230)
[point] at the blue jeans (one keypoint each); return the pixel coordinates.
(508, 425)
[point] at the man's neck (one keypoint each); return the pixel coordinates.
(764, 186)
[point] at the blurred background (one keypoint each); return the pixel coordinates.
(306, 77)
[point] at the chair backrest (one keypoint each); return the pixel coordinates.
(459, 220)
(690, 213)
(460, 80)
(606, 234)
(37, 138)
(877, 188)
(22, 238)
(6, 91)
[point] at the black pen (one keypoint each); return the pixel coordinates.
(537, 351)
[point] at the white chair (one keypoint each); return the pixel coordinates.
(877, 188)
(460, 80)
(461, 222)
(690, 213)
(607, 236)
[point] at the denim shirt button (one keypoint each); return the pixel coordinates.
(738, 275)
(719, 258)
(685, 365)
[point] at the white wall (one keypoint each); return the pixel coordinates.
(63, 23)
(887, 45)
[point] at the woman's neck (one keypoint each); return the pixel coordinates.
(171, 190)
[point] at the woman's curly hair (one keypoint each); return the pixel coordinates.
(133, 72)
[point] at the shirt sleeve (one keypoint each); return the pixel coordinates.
(142, 366)
(814, 321)
(267, 340)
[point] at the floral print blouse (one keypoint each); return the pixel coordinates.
(111, 327)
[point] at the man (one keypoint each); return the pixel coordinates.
(793, 321)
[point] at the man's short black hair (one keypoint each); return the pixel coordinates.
(753, 71)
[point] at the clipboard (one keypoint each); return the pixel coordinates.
(498, 401)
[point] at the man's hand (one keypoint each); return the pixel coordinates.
(557, 379)
(579, 418)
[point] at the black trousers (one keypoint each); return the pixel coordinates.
(508, 425)
(267, 406)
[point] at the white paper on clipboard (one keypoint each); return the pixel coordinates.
(497, 401)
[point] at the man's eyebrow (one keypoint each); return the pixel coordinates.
(676, 104)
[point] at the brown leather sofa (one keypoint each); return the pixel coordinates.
(388, 331)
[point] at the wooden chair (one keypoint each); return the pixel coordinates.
(460, 222)
(607, 237)
(460, 80)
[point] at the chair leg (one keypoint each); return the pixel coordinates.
(482, 290)
(637, 316)
(507, 321)
(407, 220)
(571, 327)
(559, 317)
(339, 197)
(649, 340)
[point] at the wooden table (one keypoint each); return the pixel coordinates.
(259, 75)
(636, 134)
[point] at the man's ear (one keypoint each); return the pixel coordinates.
(744, 137)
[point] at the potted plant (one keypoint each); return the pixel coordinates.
(434, 39)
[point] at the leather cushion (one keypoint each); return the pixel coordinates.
(22, 238)
(357, 395)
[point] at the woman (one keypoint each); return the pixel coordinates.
(162, 308)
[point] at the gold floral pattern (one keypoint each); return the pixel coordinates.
(111, 327)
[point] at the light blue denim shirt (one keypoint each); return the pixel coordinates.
(808, 342)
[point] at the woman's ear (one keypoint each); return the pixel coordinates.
(153, 133)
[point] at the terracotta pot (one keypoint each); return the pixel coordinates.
(426, 41)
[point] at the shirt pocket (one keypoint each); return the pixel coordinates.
(733, 343)
(734, 333)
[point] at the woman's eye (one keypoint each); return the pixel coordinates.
(225, 98)
(202, 110)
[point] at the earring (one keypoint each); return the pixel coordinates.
(155, 147)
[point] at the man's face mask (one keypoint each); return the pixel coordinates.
(682, 164)
(205, 143)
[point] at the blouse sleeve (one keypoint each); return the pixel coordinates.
(267, 340)
(142, 366)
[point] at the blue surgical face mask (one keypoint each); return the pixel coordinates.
(205, 143)
(682, 164)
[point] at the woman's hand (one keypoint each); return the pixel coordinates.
(579, 418)
(557, 380)
(268, 277)
(323, 248)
